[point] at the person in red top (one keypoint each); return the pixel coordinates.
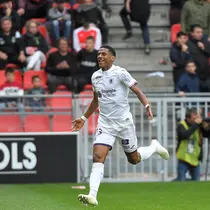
(10, 88)
(82, 33)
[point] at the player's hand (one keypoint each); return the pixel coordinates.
(77, 124)
(149, 113)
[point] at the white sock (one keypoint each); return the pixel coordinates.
(146, 152)
(95, 178)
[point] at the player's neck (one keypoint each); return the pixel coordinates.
(107, 68)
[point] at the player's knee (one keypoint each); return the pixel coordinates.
(98, 158)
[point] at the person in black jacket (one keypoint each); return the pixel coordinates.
(199, 48)
(179, 55)
(35, 46)
(89, 12)
(87, 61)
(11, 46)
(175, 11)
(7, 10)
(61, 67)
(139, 11)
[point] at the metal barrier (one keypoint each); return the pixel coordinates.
(167, 109)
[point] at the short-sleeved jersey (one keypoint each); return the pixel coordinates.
(112, 87)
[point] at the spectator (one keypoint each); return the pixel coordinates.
(189, 81)
(33, 9)
(89, 12)
(80, 35)
(175, 11)
(10, 88)
(179, 54)
(11, 47)
(37, 103)
(35, 46)
(60, 18)
(199, 49)
(196, 12)
(139, 11)
(7, 10)
(189, 148)
(61, 67)
(87, 59)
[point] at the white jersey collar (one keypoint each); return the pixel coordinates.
(112, 68)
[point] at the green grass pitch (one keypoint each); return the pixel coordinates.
(129, 196)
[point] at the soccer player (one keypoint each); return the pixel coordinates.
(111, 86)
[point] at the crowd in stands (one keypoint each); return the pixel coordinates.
(57, 38)
(190, 51)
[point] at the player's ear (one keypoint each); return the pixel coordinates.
(113, 58)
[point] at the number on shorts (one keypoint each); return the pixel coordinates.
(125, 142)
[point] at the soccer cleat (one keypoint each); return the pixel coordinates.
(160, 150)
(87, 200)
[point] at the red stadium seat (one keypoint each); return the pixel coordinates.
(92, 123)
(66, 5)
(28, 78)
(88, 87)
(176, 28)
(11, 123)
(12, 65)
(40, 20)
(62, 103)
(18, 77)
(37, 123)
(61, 87)
(62, 123)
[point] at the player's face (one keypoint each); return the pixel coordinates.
(105, 58)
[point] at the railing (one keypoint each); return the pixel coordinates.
(167, 109)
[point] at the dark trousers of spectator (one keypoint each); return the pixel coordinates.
(41, 12)
(83, 80)
(11, 59)
(184, 167)
(126, 22)
(174, 15)
(55, 81)
(104, 32)
(205, 86)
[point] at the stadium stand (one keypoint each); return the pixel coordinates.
(61, 123)
(11, 123)
(37, 123)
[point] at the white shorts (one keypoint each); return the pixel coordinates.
(126, 136)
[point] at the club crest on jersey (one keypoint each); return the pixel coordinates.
(99, 94)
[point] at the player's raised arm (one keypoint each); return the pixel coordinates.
(79, 122)
(143, 99)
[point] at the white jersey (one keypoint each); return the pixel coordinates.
(112, 87)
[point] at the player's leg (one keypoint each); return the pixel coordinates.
(134, 154)
(102, 144)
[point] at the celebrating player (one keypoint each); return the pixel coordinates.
(111, 88)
